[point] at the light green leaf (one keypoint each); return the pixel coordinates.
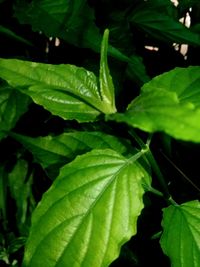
(51, 150)
(12, 105)
(105, 79)
(163, 27)
(65, 90)
(89, 212)
(169, 103)
(181, 236)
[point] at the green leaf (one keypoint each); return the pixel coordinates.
(51, 150)
(73, 21)
(105, 79)
(12, 105)
(20, 188)
(14, 36)
(169, 103)
(90, 211)
(65, 90)
(181, 236)
(163, 27)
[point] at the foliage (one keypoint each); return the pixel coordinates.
(93, 162)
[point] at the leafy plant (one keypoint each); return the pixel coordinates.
(83, 189)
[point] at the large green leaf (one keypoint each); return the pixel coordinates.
(88, 213)
(163, 27)
(65, 90)
(169, 103)
(72, 21)
(51, 150)
(12, 105)
(181, 236)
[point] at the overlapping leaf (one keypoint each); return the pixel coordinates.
(163, 27)
(51, 150)
(181, 237)
(20, 186)
(169, 103)
(65, 90)
(12, 105)
(88, 213)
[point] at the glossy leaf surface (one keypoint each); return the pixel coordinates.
(65, 90)
(89, 212)
(181, 236)
(105, 79)
(169, 103)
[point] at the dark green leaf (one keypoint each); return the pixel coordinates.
(181, 237)
(169, 103)
(94, 203)
(12, 105)
(11, 34)
(20, 188)
(164, 27)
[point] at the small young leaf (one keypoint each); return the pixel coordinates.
(12, 105)
(181, 237)
(89, 212)
(169, 103)
(106, 83)
(51, 150)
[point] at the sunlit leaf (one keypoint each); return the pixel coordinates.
(169, 103)
(105, 79)
(181, 234)
(90, 211)
(65, 90)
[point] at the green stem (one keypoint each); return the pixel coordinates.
(153, 163)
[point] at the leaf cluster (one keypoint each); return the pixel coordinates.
(99, 136)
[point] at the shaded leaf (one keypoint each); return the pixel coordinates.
(169, 103)
(72, 21)
(181, 236)
(94, 203)
(11, 34)
(163, 27)
(51, 150)
(20, 183)
(12, 105)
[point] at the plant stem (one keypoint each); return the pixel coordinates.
(154, 165)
